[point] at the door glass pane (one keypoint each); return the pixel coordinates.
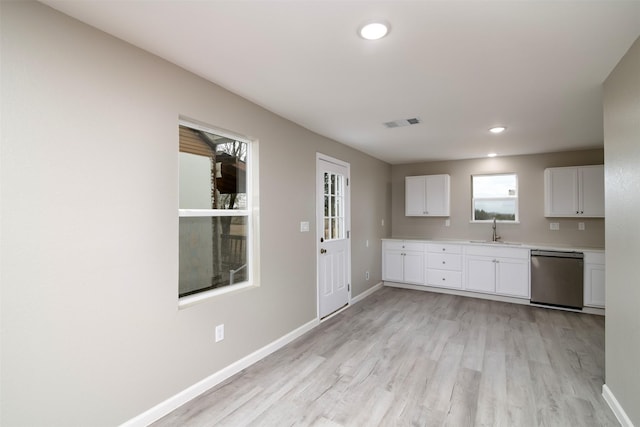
(326, 183)
(339, 186)
(327, 235)
(334, 210)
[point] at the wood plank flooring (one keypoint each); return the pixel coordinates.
(412, 358)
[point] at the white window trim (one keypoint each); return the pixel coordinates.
(516, 197)
(252, 214)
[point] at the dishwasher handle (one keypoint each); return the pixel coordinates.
(557, 254)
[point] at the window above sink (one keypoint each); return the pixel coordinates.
(494, 196)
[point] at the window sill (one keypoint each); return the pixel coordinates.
(198, 298)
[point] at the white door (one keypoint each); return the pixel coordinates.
(414, 196)
(512, 277)
(333, 223)
(481, 274)
(414, 267)
(592, 191)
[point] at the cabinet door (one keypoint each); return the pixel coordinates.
(393, 266)
(437, 195)
(414, 268)
(561, 192)
(481, 274)
(512, 277)
(594, 282)
(592, 191)
(414, 196)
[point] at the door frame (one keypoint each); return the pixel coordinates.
(319, 228)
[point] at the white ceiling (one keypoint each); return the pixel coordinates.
(536, 67)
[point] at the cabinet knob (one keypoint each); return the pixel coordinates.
(444, 249)
(443, 279)
(443, 262)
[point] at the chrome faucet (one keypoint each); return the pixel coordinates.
(495, 236)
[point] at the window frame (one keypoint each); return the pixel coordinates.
(507, 198)
(250, 213)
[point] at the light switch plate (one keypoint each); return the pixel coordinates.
(304, 226)
(554, 226)
(219, 332)
(581, 226)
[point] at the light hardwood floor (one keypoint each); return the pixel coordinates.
(412, 358)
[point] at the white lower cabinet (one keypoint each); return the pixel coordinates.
(403, 262)
(497, 270)
(491, 269)
(444, 265)
(481, 274)
(594, 279)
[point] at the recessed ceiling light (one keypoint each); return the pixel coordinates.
(374, 30)
(497, 129)
(491, 155)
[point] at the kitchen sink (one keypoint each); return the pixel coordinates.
(496, 243)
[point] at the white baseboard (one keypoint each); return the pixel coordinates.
(366, 293)
(172, 403)
(620, 414)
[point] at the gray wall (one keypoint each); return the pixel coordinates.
(622, 187)
(533, 226)
(91, 330)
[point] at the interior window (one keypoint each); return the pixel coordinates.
(214, 211)
(494, 196)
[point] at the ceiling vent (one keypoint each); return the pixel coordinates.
(402, 122)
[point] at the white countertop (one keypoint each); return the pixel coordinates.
(508, 244)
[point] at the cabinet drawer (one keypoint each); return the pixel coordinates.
(444, 261)
(444, 278)
(593, 257)
(400, 245)
(497, 251)
(444, 248)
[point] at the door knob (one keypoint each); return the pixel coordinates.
(323, 251)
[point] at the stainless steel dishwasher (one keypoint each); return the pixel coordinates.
(557, 278)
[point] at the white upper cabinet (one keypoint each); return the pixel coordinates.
(576, 191)
(427, 195)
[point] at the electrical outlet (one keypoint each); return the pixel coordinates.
(366, 275)
(366, 244)
(447, 222)
(382, 222)
(554, 226)
(581, 226)
(220, 332)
